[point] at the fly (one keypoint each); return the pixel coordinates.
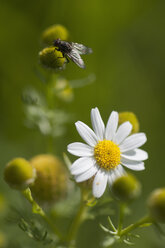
(72, 51)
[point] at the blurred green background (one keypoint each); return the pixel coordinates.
(128, 39)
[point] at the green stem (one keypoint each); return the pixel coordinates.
(50, 144)
(77, 220)
(142, 221)
(121, 217)
(38, 210)
(49, 91)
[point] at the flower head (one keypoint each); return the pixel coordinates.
(54, 32)
(51, 181)
(108, 149)
(126, 188)
(156, 205)
(52, 59)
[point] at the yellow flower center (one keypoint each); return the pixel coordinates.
(107, 154)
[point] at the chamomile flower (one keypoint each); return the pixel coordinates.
(108, 149)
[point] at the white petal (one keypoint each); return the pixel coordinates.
(132, 142)
(123, 131)
(118, 171)
(111, 178)
(80, 149)
(97, 123)
(137, 155)
(111, 125)
(87, 174)
(81, 165)
(115, 173)
(86, 133)
(100, 183)
(133, 165)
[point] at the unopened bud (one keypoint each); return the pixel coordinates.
(19, 173)
(126, 188)
(156, 204)
(131, 117)
(51, 58)
(63, 90)
(51, 181)
(54, 32)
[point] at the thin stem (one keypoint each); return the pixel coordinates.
(77, 220)
(49, 91)
(38, 210)
(121, 217)
(50, 144)
(144, 220)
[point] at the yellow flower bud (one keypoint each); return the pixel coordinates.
(126, 188)
(51, 58)
(131, 117)
(156, 204)
(51, 181)
(54, 32)
(19, 173)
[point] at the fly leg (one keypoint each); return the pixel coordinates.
(67, 60)
(57, 49)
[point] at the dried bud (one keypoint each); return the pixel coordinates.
(131, 117)
(51, 58)
(156, 204)
(51, 181)
(54, 32)
(126, 188)
(19, 173)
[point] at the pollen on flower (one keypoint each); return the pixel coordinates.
(107, 154)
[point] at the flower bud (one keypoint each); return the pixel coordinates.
(126, 188)
(51, 58)
(51, 181)
(54, 32)
(19, 173)
(156, 205)
(131, 117)
(63, 90)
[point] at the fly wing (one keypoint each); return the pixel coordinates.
(75, 57)
(81, 48)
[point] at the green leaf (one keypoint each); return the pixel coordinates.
(134, 235)
(128, 242)
(145, 225)
(104, 228)
(34, 231)
(111, 224)
(91, 202)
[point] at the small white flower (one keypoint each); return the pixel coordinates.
(107, 149)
